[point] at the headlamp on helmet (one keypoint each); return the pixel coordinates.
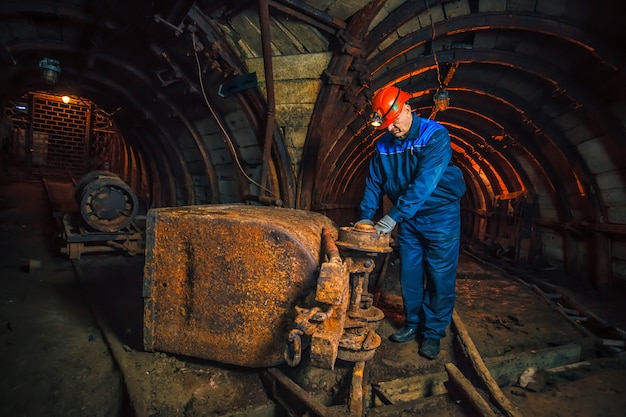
(376, 119)
(386, 106)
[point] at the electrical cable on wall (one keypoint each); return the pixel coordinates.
(219, 122)
(432, 42)
(441, 98)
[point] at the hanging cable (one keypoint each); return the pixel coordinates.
(432, 41)
(440, 97)
(219, 122)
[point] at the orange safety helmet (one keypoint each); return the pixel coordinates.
(386, 106)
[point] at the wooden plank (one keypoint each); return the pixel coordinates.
(422, 406)
(469, 391)
(505, 369)
(476, 360)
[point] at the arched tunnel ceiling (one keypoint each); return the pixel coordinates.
(537, 92)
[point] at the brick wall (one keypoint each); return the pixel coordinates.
(60, 135)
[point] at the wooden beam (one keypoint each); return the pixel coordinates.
(505, 369)
(469, 391)
(481, 369)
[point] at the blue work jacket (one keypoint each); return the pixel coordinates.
(416, 173)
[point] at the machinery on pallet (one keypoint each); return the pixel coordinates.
(258, 286)
(108, 208)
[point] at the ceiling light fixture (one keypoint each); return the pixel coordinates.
(50, 70)
(441, 99)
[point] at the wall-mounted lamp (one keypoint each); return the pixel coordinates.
(441, 99)
(50, 70)
(65, 99)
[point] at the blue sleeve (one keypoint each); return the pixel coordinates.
(433, 162)
(373, 190)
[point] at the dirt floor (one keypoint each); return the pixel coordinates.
(71, 342)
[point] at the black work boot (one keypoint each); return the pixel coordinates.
(429, 348)
(404, 335)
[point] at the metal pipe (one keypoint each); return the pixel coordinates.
(330, 248)
(266, 39)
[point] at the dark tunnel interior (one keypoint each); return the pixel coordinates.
(209, 102)
(216, 102)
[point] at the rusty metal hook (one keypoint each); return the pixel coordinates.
(293, 348)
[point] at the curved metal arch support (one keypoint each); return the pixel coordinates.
(339, 185)
(209, 171)
(165, 142)
(557, 28)
(146, 79)
(280, 161)
(479, 168)
(352, 164)
(504, 162)
(546, 166)
(148, 152)
(538, 69)
(480, 190)
(163, 184)
(514, 102)
(152, 141)
(474, 204)
(274, 149)
(552, 135)
(346, 158)
(549, 73)
(144, 154)
(330, 99)
(535, 156)
(137, 167)
(196, 87)
(527, 65)
(348, 176)
(487, 165)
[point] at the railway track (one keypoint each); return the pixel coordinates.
(510, 326)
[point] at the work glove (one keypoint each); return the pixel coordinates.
(364, 221)
(385, 225)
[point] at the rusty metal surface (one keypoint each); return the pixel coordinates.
(221, 281)
(343, 323)
(363, 238)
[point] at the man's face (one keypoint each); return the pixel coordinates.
(400, 127)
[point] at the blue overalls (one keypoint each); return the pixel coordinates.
(425, 188)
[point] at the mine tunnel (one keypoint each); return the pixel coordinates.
(137, 134)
